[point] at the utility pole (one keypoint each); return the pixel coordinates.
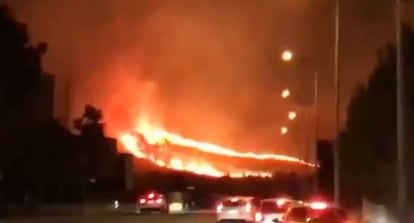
(316, 116)
(401, 143)
(336, 78)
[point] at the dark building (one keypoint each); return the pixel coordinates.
(126, 172)
(98, 161)
(98, 157)
(125, 178)
(107, 160)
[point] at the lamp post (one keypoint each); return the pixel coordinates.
(316, 115)
(401, 143)
(336, 84)
(288, 56)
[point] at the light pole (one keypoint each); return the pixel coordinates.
(401, 146)
(316, 114)
(336, 84)
(288, 56)
(316, 106)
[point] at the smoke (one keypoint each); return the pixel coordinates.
(200, 68)
(206, 69)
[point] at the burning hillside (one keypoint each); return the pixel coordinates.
(173, 151)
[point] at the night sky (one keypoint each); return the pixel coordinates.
(211, 69)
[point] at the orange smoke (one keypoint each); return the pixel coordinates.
(149, 142)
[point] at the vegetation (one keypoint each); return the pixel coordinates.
(20, 61)
(368, 143)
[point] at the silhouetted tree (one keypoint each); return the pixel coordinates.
(90, 124)
(20, 76)
(20, 61)
(90, 143)
(368, 143)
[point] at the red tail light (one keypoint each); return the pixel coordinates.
(151, 195)
(159, 200)
(219, 208)
(280, 202)
(318, 205)
(142, 201)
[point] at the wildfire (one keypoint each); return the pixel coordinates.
(147, 136)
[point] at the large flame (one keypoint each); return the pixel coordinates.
(151, 142)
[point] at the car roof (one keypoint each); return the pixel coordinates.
(277, 198)
(307, 205)
(239, 198)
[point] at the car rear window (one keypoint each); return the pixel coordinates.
(305, 214)
(231, 203)
(272, 207)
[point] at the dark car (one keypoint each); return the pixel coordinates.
(315, 213)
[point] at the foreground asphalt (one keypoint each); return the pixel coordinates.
(120, 218)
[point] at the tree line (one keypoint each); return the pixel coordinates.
(39, 157)
(368, 143)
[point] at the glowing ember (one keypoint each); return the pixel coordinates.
(151, 136)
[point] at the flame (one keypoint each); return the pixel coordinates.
(146, 136)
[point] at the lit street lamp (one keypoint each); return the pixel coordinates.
(287, 55)
(292, 115)
(285, 93)
(284, 130)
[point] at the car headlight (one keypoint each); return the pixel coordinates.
(175, 207)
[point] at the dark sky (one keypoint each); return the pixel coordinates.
(213, 66)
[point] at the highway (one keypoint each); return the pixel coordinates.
(120, 218)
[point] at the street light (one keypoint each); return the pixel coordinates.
(292, 115)
(284, 130)
(287, 55)
(285, 93)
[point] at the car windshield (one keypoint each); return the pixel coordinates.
(234, 203)
(272, 207)
(304, 214)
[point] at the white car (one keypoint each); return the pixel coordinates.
(240, 209)
(273, 209)
(152, 201)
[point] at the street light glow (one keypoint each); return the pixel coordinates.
(292, 115)
(284, 130)
(285, 93)
(287, 55)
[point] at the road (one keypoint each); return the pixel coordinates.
(121, 218)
